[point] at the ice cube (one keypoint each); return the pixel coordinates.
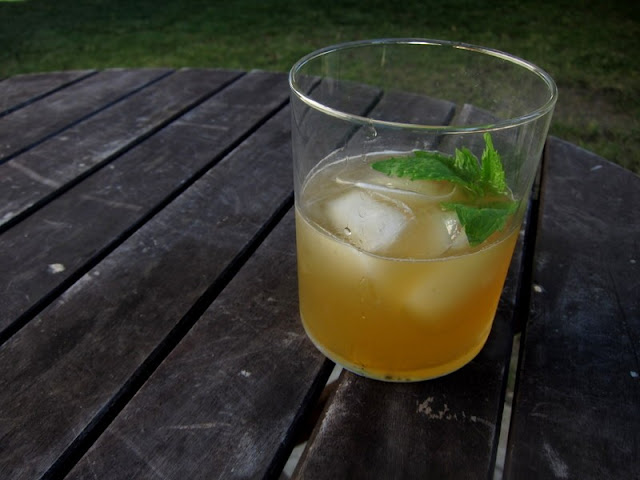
(439, 290)
(455, 230)
(373, 180)
(369, 220)
(435, 233)
(449, 281)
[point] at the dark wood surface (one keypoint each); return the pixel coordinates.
(19, 90)
(149, 318)
(578, 397)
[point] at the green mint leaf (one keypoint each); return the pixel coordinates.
(485, 178)
(466, 165)
(480, 222)
(492, 175)
(421, 166)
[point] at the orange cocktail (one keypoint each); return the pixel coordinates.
(401, 296)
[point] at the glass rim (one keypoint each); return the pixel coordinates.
(442, 129)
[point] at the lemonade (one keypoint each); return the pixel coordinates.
(389, 284)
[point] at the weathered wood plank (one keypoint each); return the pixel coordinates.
(578, 393)
(224, 401)
(29, 179)
(19, 90)
(443, 428)
(47, 250)
(26, 126)
(74, 361)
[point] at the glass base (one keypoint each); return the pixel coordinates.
(408, 376)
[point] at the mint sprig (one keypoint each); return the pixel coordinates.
(484, 180)
(491, 171)
(480, 222)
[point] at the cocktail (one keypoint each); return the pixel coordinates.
(413, 163)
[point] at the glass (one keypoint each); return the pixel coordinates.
(399, 277)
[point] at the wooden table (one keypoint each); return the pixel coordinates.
(149, 324)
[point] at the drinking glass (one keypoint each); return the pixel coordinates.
(413, 164)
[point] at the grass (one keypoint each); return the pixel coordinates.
(589, 47)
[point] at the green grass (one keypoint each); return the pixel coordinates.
(590, 47)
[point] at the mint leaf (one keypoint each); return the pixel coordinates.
(466, 165)
(492, 175)
(421, 166)
(485, 179)
(480, 222)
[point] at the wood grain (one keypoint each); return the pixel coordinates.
(148, 302)
(44, 253)
(25, 127)
(75, 360)
(31, 179)
(578, 394)
(19, 90)
(243, 373)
